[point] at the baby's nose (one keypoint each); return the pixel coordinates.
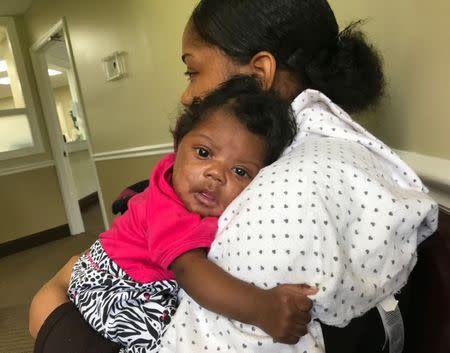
(216, 173)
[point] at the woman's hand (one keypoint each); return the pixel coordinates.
(49, 297)
(285, 312)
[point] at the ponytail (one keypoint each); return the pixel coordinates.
(350, 72)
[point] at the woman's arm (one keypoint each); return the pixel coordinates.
(282, 312)
(51, 295)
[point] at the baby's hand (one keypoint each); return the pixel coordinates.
(285, 312)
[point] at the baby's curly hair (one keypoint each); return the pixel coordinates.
(242, 97)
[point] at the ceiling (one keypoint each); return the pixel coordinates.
(14, 7)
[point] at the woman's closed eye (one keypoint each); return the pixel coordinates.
(190, 74)
(202, 152)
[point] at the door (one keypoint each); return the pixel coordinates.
(66, 124)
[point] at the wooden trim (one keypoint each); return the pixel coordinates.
(88, 200)
(33, 240)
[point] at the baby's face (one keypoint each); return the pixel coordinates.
(214, 162)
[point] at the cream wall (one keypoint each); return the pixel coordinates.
(150, 34)
(413, 37)
(137, 110)
(407, 33)
(29, 203)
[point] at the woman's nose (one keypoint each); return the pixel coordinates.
(186, 97)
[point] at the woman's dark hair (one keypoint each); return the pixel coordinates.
(304, 38)
(242, 98)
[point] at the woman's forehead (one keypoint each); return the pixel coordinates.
(192, 42)
(198, 51)
(191, 37)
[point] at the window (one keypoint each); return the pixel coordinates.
(19, 132)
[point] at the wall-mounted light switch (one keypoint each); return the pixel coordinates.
(114, 66)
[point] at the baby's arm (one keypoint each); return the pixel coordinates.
(282, 312)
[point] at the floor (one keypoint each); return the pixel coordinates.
(23, 273)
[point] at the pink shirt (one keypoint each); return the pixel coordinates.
(156, 229)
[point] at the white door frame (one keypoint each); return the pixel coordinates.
(58, 146)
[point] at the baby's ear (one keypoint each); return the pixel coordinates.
(263, 66)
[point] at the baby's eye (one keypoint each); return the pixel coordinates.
(202, 152)
(241, 172)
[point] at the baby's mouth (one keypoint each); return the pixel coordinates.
(206, 198)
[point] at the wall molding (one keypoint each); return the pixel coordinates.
(142, 151)
(26, 167)
(434, 172)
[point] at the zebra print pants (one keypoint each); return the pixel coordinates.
(132, 314)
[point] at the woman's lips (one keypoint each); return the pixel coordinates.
(206, 198)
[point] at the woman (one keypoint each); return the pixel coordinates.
(339, 210)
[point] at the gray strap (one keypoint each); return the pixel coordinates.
(393, 324)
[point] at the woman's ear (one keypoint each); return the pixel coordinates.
(263, 66)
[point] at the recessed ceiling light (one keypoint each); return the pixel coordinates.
(3, 66)
(52, 72)
(5, 81)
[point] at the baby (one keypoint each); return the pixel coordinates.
(124, 285)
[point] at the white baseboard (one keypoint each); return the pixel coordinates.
(434, 172)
